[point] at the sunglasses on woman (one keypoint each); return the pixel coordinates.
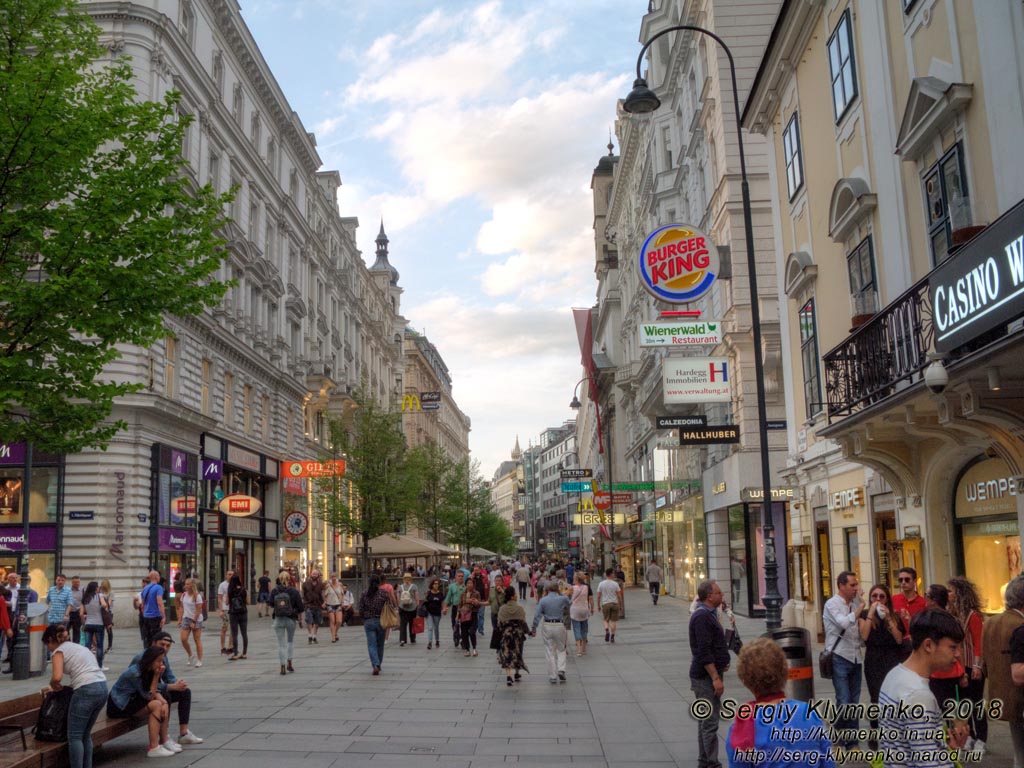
(878, 596)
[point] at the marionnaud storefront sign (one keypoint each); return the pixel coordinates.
(696, 380)
(981, 287)
(678, 263)
(685, 334)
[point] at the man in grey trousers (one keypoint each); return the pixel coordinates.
(710, 661)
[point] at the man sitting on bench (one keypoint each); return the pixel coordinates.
(175, 691)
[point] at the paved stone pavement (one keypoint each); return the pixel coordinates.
(625, 704)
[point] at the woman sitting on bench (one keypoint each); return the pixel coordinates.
(84, 676)
(135, 690)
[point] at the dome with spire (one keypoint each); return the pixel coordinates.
(607, 162)
(382, 264)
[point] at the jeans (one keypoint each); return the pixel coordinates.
(240, 623)
(183, 699)
(480, 619)
(74, 624)
(284, 628)
(434, 628)
(86, 704)
(456, 626)
(655, 591)
(405, 619)
(580, 629)
(375, 635)
(553, 634)
(846, 677)
(95, 633)
(707, 730)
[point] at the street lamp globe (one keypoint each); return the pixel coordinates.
(641, 100)
(575, 404)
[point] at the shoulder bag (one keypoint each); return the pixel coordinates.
(389, 616)
(825, 659)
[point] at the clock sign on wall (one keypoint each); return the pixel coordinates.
(296, 523)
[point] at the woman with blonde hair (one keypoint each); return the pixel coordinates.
(192, 620)
(580, 611)
(109, 622)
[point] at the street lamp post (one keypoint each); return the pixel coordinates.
(642, 100)
(576, 405)
(21, 655)
(579, 499)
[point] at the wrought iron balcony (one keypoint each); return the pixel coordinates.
(885, 355)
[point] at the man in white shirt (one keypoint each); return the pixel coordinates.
(842, 637)
(609, 603)
(910, 714)
(222, 610)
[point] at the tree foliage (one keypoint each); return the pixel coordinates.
(102, 232)
(491, 532)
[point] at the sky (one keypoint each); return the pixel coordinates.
(472, 128)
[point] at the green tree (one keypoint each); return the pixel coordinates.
(491, 532)
(102, 232)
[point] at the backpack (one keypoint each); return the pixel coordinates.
(52, 722)
(405, 600)
(282, 605)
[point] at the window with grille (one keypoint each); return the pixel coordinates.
(809, 357)
(842, 65)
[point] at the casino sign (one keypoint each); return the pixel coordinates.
(678, 263)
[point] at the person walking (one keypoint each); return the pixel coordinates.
(709, 662)
(653, 576)
(238, 611)
(408, 602)
(286, 602)
(843, 639)
(482, 585)
(370, 606)
(334, 596)
(469, 605)
(434, 602)
(881, 629)
(609, 603)
(550, 610)
(91, 618)
(74, 621)
(965, 605)
(152, 598)
(263, 596)
(86, 679)
(451, 600)
(580, 611)
(523, 580)
(108, 622)
(513, 629)
(191, 622)
(313, 599)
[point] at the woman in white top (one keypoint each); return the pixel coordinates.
(334, 596)
(76, 663)
(94, 603)
(192, 620)
(580, 611)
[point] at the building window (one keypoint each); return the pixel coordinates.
(254, 221)
(218, 73)
(207, 385)
(948, 201)
(237, 104)
(229, 406)
(188, 23)
(666, 146)
(852, 547)
(841, 62)
(255, 130)
(213, 178)
(809, 356)
(170, 365)
(272, 154)
(860, 265)
(247, 403)
(265, 418)
(794, 160)
(907, 5)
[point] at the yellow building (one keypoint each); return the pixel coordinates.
(894, 130)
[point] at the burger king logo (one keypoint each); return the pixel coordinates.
(678, 263)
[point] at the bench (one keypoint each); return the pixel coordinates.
(20, 749)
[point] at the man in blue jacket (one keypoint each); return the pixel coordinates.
(175, 691)
(710, 661)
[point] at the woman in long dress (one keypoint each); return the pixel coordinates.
(512, 622)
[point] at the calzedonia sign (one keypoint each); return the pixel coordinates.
(663, 334)
(982, 286)
(678, 263)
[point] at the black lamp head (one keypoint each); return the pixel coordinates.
(575, 404)
(641, 100)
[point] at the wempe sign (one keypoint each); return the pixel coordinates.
(982, 286)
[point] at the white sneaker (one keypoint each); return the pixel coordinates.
(969, 744)
(189, 738)
(188, 662)
(159, 751)
(172, 745)
(199, 663)
(980, 747)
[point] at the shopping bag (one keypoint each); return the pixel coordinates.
(389, 617)
(419, 625)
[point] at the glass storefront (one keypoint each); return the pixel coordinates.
(45, 512)
(746, 557)
(681, 546)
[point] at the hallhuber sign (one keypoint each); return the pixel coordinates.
(678, 263)
(982, 286)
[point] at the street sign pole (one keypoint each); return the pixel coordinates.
(20, 654)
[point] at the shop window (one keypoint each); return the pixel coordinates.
(842, 66)
(860, 265)
(948, 201)
(793, 155)
(44, 495)
(809, 357)
(851, 547)
(177, 500)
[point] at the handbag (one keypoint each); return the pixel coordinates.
(52, 722)
(389, 616)
(825, 659)
(421, 612)
(419, 625)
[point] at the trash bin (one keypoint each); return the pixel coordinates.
(796, 645)
(36, 624)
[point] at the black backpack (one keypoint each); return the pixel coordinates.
(283, 605)
(52, 723)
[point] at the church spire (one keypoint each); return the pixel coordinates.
(517, 453)
(381, 264)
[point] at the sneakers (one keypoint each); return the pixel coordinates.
(172, 745)
(553, 680)
(189, 738)
(290, 667)
(315, 641)
(188, 662)
(429, 646)
(979, 746)
(607, 634)
(199, 663)
(561, 676)
(159, 751)
(283, 670)
(309, 641)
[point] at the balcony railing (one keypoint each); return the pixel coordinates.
(883, 356)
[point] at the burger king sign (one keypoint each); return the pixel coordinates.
(678, 263)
